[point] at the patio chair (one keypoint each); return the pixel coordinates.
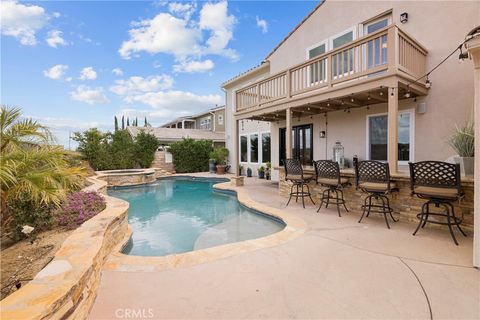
(438, 183)
(328, 175)
(294, 173)
(373, 177)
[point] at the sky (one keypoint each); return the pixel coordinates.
(73, 65)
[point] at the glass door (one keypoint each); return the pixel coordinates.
(302, 144)
(377, 48)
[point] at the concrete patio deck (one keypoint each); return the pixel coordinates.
(337, 269)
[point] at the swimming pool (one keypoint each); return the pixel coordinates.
(182, 214)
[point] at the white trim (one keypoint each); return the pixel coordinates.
(352, 29)
(363, 26)
(412, 134)
(249, 146)
(307, 51)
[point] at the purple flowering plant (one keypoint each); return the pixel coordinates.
(79, 207)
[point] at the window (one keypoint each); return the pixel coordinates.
(254, 148)
(377, 139)
(266, 147)
(243, 149)
(376, 48)
(205, 124)
(343, 61)
(318, 70)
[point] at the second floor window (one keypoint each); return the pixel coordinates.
(205, 124)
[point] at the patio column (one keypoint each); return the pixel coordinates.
(473, 47)
(236, 148)
(392, 145)
(288, 134)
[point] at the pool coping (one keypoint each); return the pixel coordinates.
(294, 227)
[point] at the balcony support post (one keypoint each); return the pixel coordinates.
(288, 134)
(236, 148)
(473, 47)
(392, 145)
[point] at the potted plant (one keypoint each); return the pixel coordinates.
(220, 156)
(261, 172)
(463, 141)
(249, 172)
(240, 170)
(267, 170)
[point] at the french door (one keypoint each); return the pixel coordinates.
(302, 144)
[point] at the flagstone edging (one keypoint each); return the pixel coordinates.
(67, 286)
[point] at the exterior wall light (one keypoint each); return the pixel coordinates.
(323, 134)
(404, 17)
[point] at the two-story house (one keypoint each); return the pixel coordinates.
(356, 72)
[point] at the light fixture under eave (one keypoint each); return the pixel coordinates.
(428, 83)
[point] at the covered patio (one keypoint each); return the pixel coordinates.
(336, 269)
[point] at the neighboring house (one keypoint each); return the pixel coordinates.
(348, 73)
(210, 120)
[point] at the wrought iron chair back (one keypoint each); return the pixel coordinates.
(293, 167)
(435, 174)
(372, 171)
(327, 169)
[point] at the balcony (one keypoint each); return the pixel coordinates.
(387, 52)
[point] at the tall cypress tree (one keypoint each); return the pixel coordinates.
(116, 124)
(146, 123)
(123, 122)
(136, 122)
(128, 122)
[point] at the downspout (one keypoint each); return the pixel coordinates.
(213, 114)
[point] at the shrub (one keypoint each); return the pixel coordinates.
(121, 150)
(219, 155)
(145, 146)
(79, 207)
(26, 211)
(190, 155)
(92, 144)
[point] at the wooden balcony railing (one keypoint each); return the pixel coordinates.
(376, 53)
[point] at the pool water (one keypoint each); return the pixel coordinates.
(177, 215)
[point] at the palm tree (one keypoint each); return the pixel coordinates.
(30, 165)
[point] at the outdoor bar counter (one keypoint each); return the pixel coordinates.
(405, 205)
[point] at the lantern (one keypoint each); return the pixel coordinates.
(338, 154)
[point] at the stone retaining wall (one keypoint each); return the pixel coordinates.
(404, 205)
(131, 177)
(66, 287)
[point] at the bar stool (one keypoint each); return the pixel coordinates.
(328, 175)
(373, 177)
(439, 183)
(294, 173)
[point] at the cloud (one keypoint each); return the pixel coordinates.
(166, 105)
(139, 85)
(176, 34)
(215, 17)
(89, 95)
(162, 34)
(22, 21)
(184, 10)
(54, 39)
(88, 73)
(117, 72)
(56, 72)
(262, 24)
(194, 66)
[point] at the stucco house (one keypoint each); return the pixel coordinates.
(357, 78)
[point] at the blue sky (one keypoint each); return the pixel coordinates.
(75, 64)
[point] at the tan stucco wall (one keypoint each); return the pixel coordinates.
(249, 126)
(438, 26)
